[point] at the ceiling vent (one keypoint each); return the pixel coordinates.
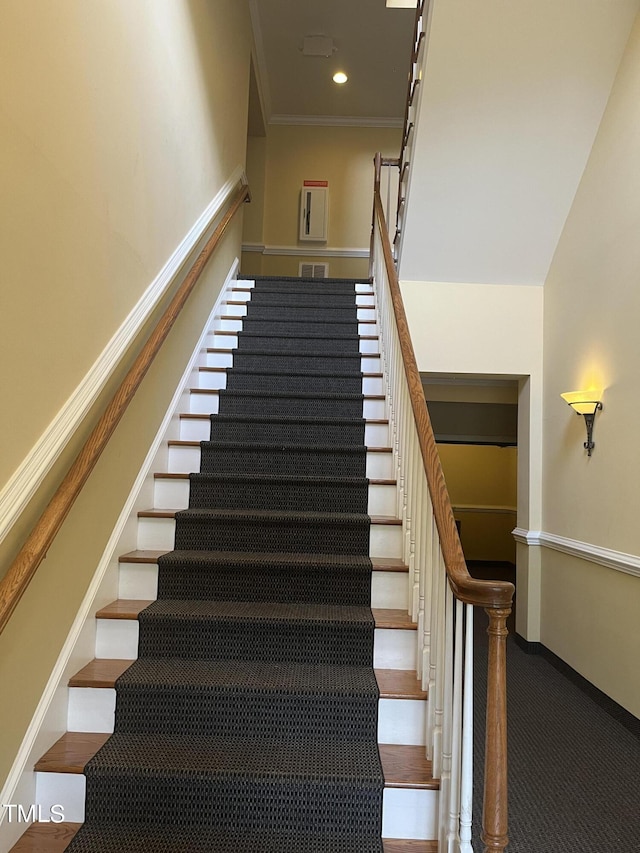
(317, 46)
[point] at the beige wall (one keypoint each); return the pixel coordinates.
(343, 156)
(119, 123)
(592, 305)
(482, 486)
(111, 147)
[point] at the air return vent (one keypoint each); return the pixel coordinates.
(313, 270)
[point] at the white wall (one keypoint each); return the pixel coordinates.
(511, 99)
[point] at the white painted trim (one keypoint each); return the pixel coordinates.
(27, 478)
(306, 251)
(27, 754)
(337, 121)
(618, 560)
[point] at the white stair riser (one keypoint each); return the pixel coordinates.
(362, 300)
(62, 789)
(229, 341)
(199, 429)
(207, 404)
(393, 648)
(409, 813)
(174, 494)
(158, 534)
(368, 363)
(390, 590)
(406, 812)
(400, 721)
(185, 460)
(91, 709)
(139, 581)
(218, 379)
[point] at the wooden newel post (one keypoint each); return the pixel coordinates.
(494, 812)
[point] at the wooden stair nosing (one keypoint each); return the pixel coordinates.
(181, 442)
(46, 838)
(167, 475)
(294, 394)
(129, 608)
(402, 766)
(234, 332)
(380, 564)
(204, 369)
(102, 673)
(243, 316)
(171, 513)
(199, 416)
(55, 838)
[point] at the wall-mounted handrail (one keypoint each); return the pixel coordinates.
(22, 570)
(494, 596)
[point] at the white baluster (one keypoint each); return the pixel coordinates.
(466, 773)
(453, 820)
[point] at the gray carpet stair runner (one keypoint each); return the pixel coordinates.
(249, 721)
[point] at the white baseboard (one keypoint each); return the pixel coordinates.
(49, 719)
(26, 480)
(618, 560)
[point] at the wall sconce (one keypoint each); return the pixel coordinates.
(585, 403)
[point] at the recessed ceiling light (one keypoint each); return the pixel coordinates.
(340, 77)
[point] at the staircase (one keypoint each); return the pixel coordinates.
(273, 703)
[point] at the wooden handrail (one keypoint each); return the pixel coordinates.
(494, 596)
(34, 550)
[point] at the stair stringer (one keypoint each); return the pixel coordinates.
(49, 721)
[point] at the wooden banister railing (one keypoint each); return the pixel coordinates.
(442, 584)
(34, 550)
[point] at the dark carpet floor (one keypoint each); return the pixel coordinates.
(574, 770)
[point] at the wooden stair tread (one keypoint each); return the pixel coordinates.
(205, 369)
(46, 838)
(199, 416)
(406, 845)
(399, 684)
(292, 394)
(100, 673)
(166, 475)
(123, 608)
(103, 672)
(129, 608)
(406, 767)
(386, 617)
(402, 766)
(233, 332)
(71, 753)
(170, 513)
(242, 316)
(55, 838)
(181, 442)
(380, 564)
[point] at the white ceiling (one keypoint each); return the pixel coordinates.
(372, 45)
